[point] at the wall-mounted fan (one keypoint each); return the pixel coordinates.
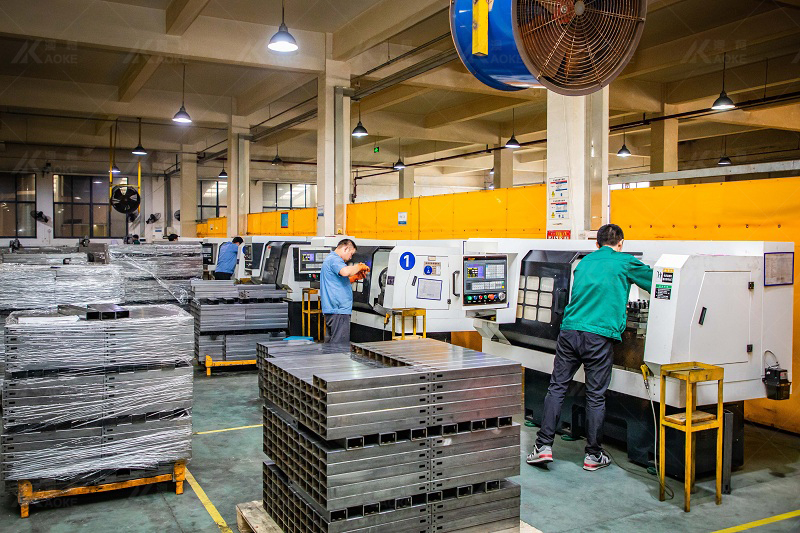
(125, 199)
(134, 217)
(572, 47)
(153, 218)
(177, 215)
(39, 216)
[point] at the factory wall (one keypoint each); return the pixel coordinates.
(299, 222)
(758, 210)
(515, 212)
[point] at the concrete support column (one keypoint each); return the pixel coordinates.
(664, 145)
(256, 196)
(188, 192)
(238, 176)
(503, 168)
(333, 148)
(44, 203)
(407, 183)
(577, 163)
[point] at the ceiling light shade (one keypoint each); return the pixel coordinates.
(182, 117)
(723, 102)
(399, 165)
(283, 40)
(491, 172)
(724, 161)
(115, 169)
(139, 150)
(360, 130)
(624, 152)
(512, 143)
(223, 175)
(277, 160)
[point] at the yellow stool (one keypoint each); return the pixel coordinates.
(413, 313)
(308, 311)
(690, 422)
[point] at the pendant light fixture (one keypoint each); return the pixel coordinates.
(724, 160)
(624, 152)
(399, 165)
(139, 150)
(182, 117)
(512, 143)
(223, 175)
(359, 130)
(114, 168)
(723, 102)
(277, 159)
(283, 40)
(491, 172)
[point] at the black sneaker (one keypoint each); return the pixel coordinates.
(596, 462)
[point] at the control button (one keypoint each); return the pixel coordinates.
(491, 296)
(501, 296)
(469, 298)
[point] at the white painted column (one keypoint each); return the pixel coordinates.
(577, 163)
(333, 124)
(238, 176)
(44, 203)
(503, 168)
(188, 192)
(664, 145)
(256, 196)
(407, 183)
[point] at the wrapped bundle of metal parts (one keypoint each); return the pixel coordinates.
(39, 286)
(45, 258)
(90, 399)
(229, 328)
(410, 435)
(158, 273)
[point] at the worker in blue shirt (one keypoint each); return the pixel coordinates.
(226, 258)
(336, 294)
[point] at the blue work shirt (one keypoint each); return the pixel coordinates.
(226, 258)
(336, 294)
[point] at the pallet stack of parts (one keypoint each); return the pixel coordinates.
(158, 272)
(48, 258)
(230, 324)
(92, 398)
(410, 436)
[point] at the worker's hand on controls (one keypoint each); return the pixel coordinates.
(363, 268)
(358, 276)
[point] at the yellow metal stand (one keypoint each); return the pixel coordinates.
(413, 313)
(211, 363)
(26, 495)
(690, 422)
(308, 312)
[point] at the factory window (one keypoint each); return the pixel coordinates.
(17, 200)
(81, 208)
(212, 199)
(283, 196)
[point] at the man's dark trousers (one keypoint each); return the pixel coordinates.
(596, 354)
(338, 329)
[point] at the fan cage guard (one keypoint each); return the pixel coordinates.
(125, 198)
(577, 47)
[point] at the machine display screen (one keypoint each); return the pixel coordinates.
(252, 255)
(311, 260)
(485, 280)
(208, 253)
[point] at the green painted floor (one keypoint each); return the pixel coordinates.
(227, 465)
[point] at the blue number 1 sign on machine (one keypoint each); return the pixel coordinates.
(407, 261)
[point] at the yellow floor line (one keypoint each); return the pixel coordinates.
(201, 494)
(227, 429)
(763, 522)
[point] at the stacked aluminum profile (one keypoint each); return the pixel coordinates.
(90, 401)
(230, 324)
(412, 435)
(40, 286)
(158, 272)
(51, 258)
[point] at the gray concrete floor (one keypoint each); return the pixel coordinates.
(563, 498)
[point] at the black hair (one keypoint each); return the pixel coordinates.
(347, 242)
(135, 236)
(610, 235)
(238, 240)
(172, 237)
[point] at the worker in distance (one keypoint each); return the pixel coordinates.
(336, 294)
(593, 322)
(226, 259)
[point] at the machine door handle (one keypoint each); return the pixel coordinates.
(703, 315)
(455, 274)
(561, 301)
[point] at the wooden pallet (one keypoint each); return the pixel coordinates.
(26, 495)
(252, 518)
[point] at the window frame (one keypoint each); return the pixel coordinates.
(217, 207)
(275, 207)
(16, 203)
(91, 204)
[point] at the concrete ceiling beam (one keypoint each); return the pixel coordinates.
(140, 69)
(487, 105)
(180, 14)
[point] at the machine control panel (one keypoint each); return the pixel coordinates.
(208, 253)
(252, 255)
(485, 280)
(308, 262)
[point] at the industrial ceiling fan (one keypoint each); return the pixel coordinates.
(572, 47)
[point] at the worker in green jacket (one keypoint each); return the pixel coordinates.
(593, 321)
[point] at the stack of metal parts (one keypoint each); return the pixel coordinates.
(412, 435)
(51, 258)
(158, 273)
(39, 286)
(91, 397)
(229, 327)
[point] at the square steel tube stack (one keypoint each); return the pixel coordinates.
(412, 435)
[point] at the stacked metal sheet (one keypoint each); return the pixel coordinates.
(60, 258)
(228, 328)
(410, 435)
(158, 273)
(39, 286)
(94, 401)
